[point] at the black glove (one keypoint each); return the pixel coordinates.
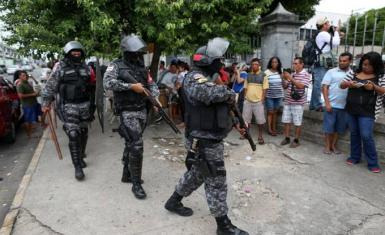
(231, 100)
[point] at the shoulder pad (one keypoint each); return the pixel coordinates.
(110, 67)
(198, 76)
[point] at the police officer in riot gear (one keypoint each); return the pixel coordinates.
(208, 121)
(127, 78)
(71, 80)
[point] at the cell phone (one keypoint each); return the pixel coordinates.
(361, 83)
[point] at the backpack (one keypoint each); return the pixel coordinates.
(311, 51)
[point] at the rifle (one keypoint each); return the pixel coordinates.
(156, 103)
(242, 124)
(161, 111)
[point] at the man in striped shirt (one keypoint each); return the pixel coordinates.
(295, 98)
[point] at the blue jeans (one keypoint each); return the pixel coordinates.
(272, 103)
(361, 133)
(318, 75)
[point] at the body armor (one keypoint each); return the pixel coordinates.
(212, 118)
(130, 100)
(74, 83)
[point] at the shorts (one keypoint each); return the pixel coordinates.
(30, 114)
(272, 103)
(292, 113)
(335, 121)
(173, 98)
(250, 108)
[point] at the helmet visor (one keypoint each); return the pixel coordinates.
(133, 44)
(217, 47)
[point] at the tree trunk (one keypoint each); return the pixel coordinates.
(155, 62)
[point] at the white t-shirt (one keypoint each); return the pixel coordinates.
(169, 79)
(323, 37)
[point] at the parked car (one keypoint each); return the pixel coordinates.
(10, 111)
(27, 67)
(11, 69)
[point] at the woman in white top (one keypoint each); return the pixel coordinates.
(274, 93)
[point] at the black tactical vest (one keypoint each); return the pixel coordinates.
(214, 118)
(130, 100)
(74, 83)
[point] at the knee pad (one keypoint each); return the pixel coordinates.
(84, 130)
(73, 135)
(137, 149)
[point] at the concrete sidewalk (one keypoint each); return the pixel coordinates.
(276, 190)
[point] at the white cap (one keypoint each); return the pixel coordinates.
(322, 21)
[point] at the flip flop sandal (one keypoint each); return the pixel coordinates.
(272, 133)
(327, 152)
(261, 141)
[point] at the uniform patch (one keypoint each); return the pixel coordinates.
(198, 76)
(202, 80)
(109, 68)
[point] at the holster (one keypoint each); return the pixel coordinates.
(207, 168)
(122, 131)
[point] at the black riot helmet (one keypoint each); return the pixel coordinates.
(133, 48)
(133, 43)
(74, 45)
(215, 49)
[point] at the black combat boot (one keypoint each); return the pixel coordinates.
(83, 144)
(174, 204)
(136, 174)
(138, 190)
(225, 227)
(126, 176)
(75, 155)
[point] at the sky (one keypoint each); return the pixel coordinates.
(347, 6)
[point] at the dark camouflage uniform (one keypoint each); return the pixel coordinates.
(74, 116)
(199, 89)
(132, 122)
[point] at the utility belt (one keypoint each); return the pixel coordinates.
(76, 101)
(120, 109)
(208, 168)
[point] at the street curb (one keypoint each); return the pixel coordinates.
(10, 218)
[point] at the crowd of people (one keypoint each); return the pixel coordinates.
(261, 95)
